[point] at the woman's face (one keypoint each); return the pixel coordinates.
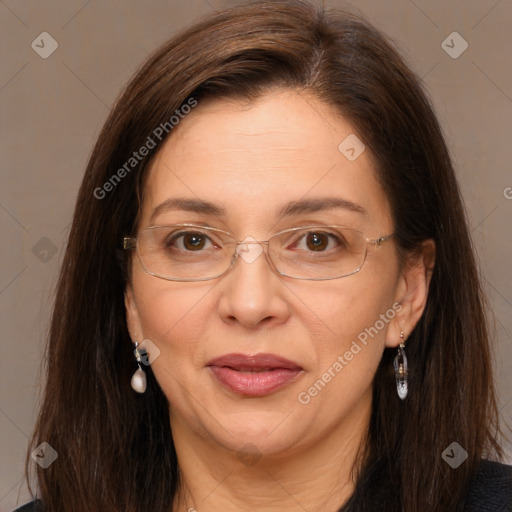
(251, 160)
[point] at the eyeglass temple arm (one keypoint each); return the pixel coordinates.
(129, 243)
(381, 240)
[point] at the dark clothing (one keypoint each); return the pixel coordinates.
(33, 506)
(491, 488)
(490, 491)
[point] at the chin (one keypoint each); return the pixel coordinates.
(262, 432)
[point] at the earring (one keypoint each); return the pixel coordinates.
(400, 364)
(138, 381)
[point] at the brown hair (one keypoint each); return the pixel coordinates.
(115, 447)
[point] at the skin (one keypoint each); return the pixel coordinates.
(239, 453)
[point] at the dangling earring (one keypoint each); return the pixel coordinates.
(138, 381)
(400, 364)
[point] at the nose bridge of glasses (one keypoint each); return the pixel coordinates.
(249, 240)
(249, 249)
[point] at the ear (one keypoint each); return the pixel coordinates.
(412, 292)
(132, 315)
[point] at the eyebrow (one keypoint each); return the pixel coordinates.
(290, 209)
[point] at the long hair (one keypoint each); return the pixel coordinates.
(115, 448)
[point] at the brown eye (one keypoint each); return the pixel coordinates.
(317, 241)
(193, 241)
(188, 241)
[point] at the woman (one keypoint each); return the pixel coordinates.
(344, 363)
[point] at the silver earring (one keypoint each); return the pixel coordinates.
(139, 380)
(400, 364)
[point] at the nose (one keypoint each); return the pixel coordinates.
(252, 292)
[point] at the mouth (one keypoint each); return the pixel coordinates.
(254, 375)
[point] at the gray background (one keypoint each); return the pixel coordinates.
(51, 111)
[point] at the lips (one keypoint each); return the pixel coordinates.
(254, 375)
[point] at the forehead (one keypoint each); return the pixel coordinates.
(254, 157)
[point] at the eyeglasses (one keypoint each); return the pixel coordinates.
(191, 252)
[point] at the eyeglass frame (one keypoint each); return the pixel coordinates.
(131, 243)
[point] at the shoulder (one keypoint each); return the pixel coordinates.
(33, 506)
(490, 488)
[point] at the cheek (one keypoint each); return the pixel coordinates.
(173, 315)
(348, 350)
(356, 307)
(348, 324)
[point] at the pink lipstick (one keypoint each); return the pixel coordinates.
(254, 375)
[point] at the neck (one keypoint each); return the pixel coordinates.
(314, 477)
